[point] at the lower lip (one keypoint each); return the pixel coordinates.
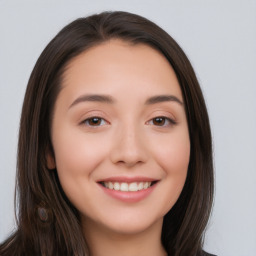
(128, 196)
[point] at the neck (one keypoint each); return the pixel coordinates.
(102, 241)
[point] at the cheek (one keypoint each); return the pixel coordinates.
(173, 155)
(76, 157)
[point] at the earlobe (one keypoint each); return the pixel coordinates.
(50, 161)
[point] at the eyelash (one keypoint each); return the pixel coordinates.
(167, 121)
(96, 119)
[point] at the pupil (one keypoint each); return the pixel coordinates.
(159, 121)
(94, 121)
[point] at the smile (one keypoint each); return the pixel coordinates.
(128, 190)
(124, 186)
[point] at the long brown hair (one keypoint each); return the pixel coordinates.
(47, 223)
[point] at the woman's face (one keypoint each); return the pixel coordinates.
(120, 137)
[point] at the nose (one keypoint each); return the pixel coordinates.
(129, 147)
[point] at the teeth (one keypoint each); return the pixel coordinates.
(116, 186)
(111, 186)
(140, 187)
(145, 185)
(134, 186)
(124, 187)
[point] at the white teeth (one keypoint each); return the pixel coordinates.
(146, 185)
(110, 185)
(116, 186)
(134, 186)
(124, 187)
(140, 187)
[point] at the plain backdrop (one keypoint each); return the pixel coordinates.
(219, 37)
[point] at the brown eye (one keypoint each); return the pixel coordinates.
(159, 121)
(95, 121)
(162, 121)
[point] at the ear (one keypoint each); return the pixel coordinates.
(50, 160)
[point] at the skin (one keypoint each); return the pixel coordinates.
(125, 141)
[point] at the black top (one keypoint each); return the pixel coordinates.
(206, 254)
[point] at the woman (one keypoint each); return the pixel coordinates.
(115, 152)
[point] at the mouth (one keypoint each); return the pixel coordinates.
(128, 186)
(128, 189)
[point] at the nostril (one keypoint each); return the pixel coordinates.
(128, 151)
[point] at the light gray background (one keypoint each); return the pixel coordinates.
(220, 39)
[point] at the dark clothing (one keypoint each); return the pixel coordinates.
(208, 254)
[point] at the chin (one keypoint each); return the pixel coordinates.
(133, 225)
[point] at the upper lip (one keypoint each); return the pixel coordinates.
(127, 179)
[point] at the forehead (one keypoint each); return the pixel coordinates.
(116, 64)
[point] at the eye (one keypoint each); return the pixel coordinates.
(94, 121)
(162, 121)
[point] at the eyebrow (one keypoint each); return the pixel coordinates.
(109, 100)
(163, 98)
(93, 98)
